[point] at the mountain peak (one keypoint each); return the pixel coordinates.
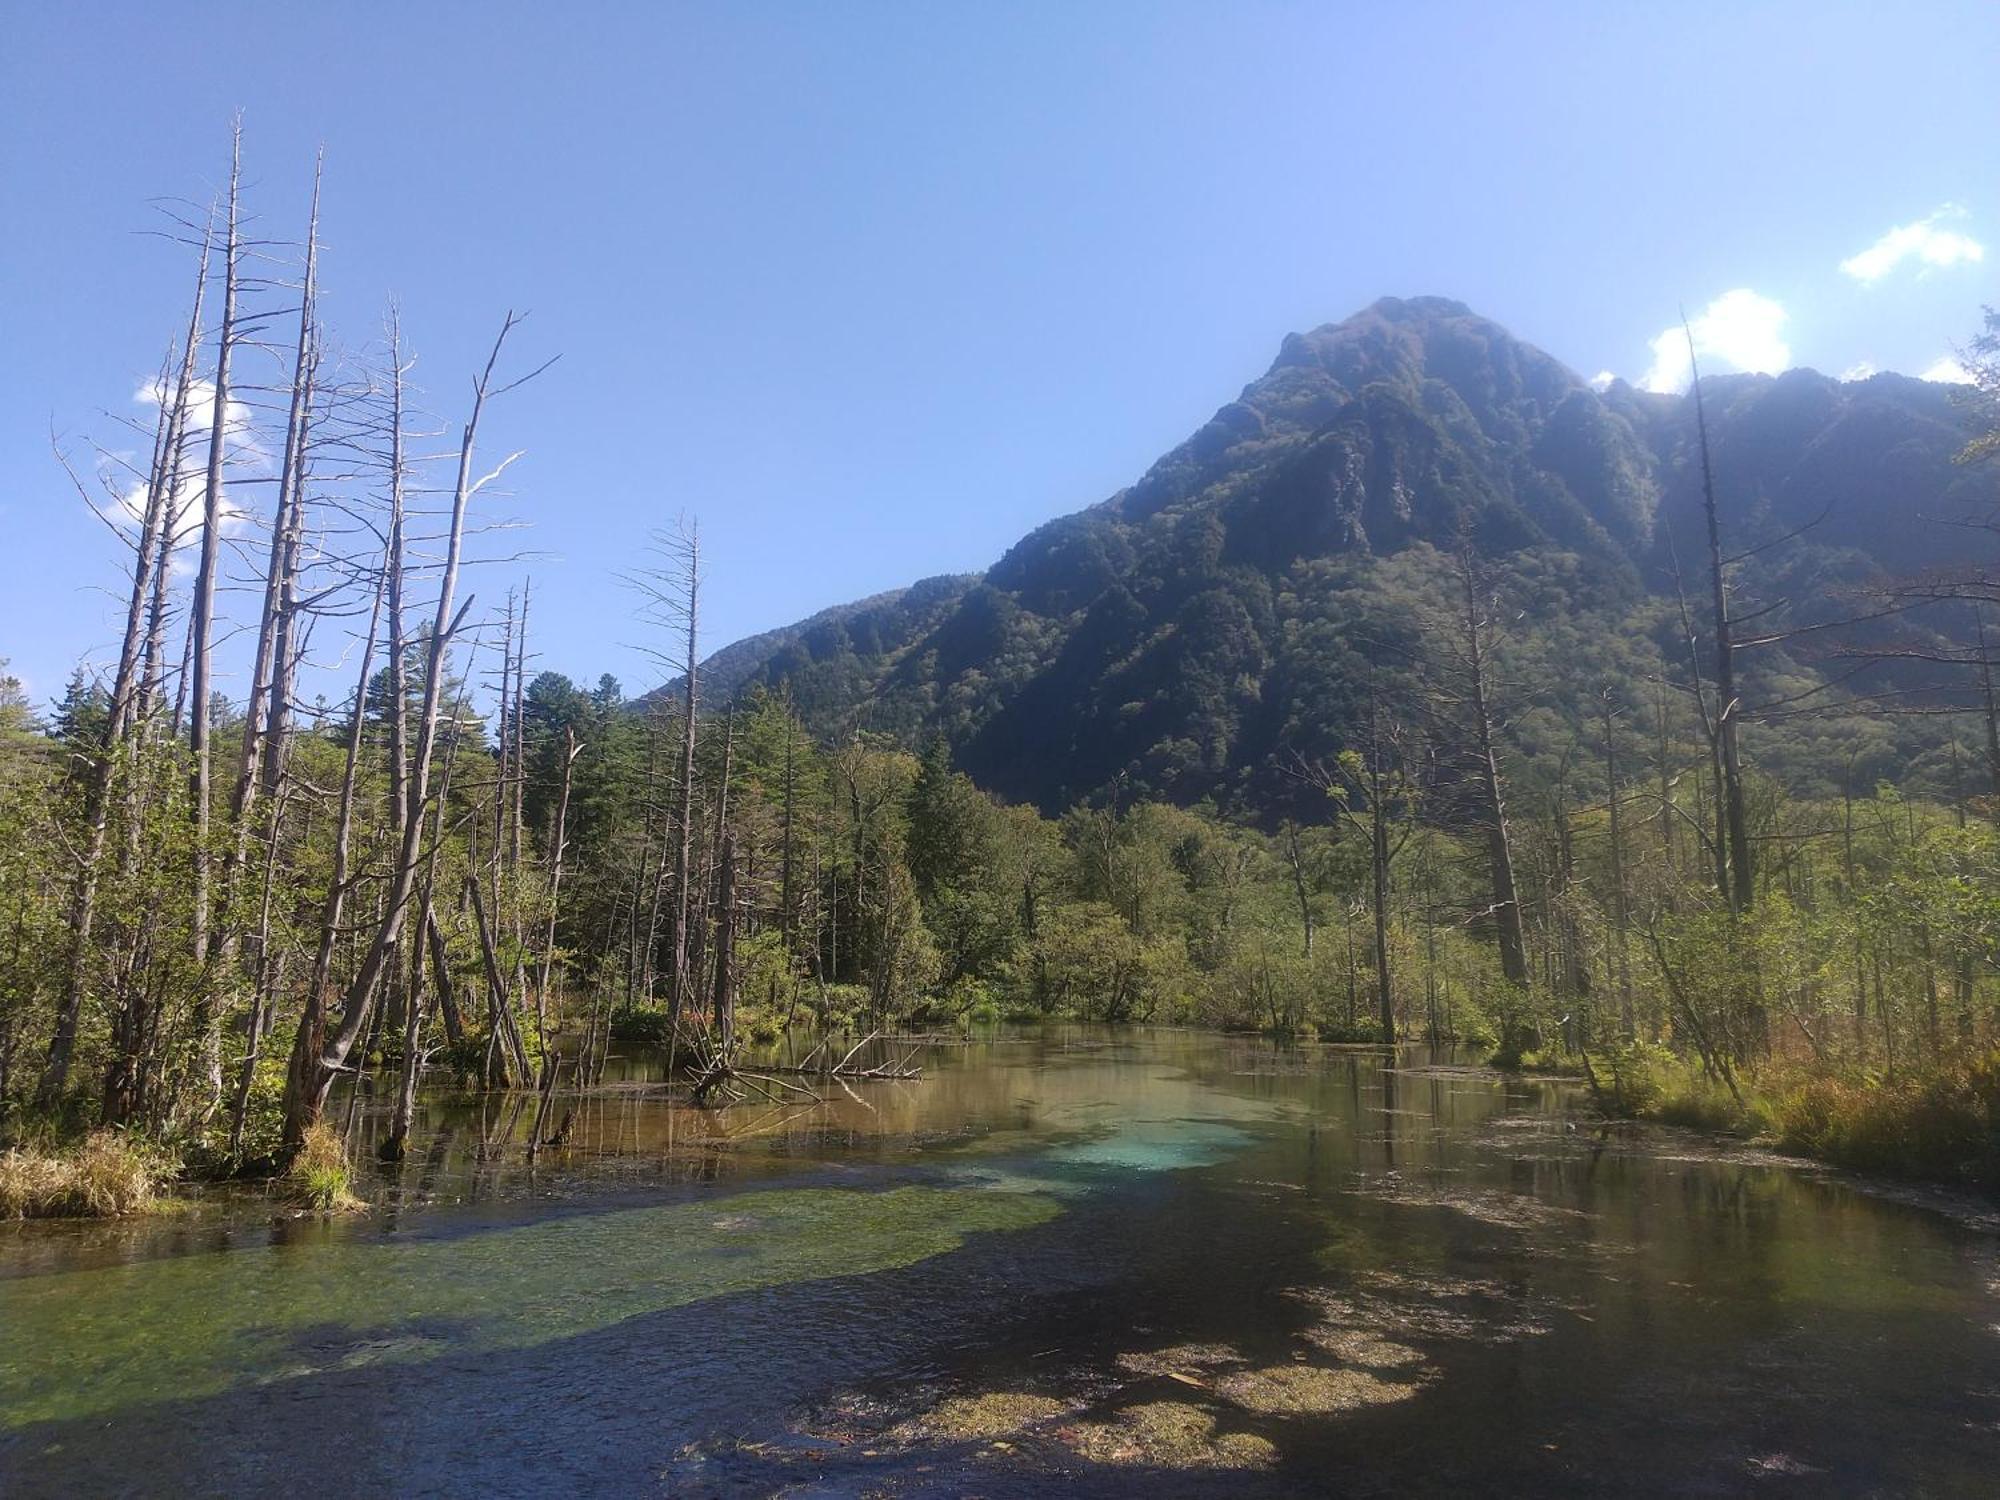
(1410, 339)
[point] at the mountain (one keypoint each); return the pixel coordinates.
(1198, 631)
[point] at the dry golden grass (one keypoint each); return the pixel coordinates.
(104, 1175)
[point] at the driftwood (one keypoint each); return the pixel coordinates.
(845, 1067)
(551, 1070)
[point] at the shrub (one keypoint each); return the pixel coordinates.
(642, 1023)
(1625, 1081)
(104, 1175)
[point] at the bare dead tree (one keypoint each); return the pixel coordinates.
(1620, 891)
(318, 1053)
(671, 591)
(558, 846)
(201, 614)
(1475, 626)
(1741, 885)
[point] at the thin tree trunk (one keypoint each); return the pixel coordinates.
(149, 568)
(684, 819)
(1299, 886)
(725, 945)
(1500, 853)
(1620, 916)
(311, 1024)
(560, 843)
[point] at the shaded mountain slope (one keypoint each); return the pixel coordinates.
(1195, 633)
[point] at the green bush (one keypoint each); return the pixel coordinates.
(645, 1024)
(1626, 1080)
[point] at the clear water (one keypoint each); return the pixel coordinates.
(1115, 1263)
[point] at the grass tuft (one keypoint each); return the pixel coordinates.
(320, 1175)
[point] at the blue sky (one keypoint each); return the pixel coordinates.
(873, 289)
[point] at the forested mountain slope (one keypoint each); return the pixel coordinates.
(1198, 632)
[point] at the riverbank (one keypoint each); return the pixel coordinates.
(1937, 1126)
(1938, 1123)
(109, 1174)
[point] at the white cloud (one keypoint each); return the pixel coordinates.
(1601, 381)
(1948, 371)
(241, 447)
(1741, 329)
(1923, 241)
(1861, 369)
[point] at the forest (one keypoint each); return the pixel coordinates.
(1727, 851)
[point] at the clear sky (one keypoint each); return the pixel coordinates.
(875, 288)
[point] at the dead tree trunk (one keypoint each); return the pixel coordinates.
(316, 1056)
(683, 911)
(725, 944)
(1297, 862)
(1499, 847)
(1742, 884)
(559, 844)
(201, 632)
(311, 1025)
(1620, 915)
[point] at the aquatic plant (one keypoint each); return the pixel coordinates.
(1301, 1390)
(1169, 1434)
(990, 1414)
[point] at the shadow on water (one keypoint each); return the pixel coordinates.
(1137, 1263)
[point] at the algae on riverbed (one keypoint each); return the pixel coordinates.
(84, 1342)
(1169, 1434)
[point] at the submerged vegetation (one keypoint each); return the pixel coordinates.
(88, 1341)
(1516, 805)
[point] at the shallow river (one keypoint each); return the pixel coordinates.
(1106, 1263)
